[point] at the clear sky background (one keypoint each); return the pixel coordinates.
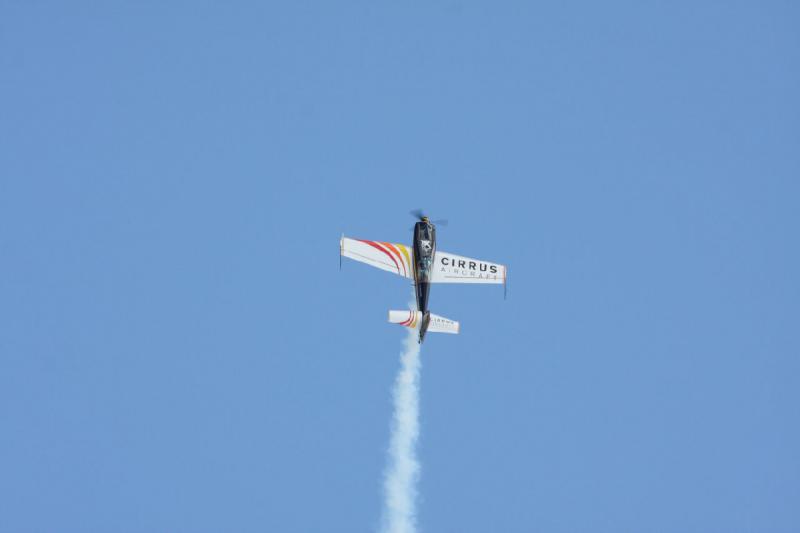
(180, 352)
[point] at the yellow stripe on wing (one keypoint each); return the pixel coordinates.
(404, 249)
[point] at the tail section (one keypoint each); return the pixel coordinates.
(413, 319)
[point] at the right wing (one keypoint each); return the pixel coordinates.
(387, 256)
(452, 268)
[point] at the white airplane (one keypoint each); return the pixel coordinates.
(424, 264)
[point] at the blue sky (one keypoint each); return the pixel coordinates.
(179, 351)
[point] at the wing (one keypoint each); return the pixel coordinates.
(452, 268)
(387, 256)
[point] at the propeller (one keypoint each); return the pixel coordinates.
(419, 214)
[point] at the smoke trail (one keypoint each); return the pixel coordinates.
(399, 514)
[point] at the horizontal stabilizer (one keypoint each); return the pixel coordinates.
(409, 319)
(440, 324)
(412, 319)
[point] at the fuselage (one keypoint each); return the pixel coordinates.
(424, 250)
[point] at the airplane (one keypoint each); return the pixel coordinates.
(423, 264)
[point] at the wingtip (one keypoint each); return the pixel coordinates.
(505, 282)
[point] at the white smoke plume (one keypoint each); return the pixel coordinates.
(400, 484)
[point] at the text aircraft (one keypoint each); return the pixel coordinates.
(423, 264)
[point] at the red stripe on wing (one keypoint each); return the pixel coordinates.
(379, 247)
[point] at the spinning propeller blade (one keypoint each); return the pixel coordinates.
(420, 214)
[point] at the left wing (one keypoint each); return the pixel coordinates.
(452, 268)
(387, 256)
